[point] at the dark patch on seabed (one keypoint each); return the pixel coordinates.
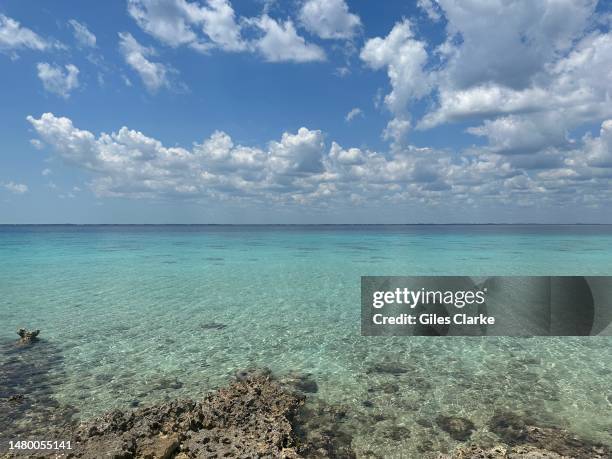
(28, 375)
(213, 326)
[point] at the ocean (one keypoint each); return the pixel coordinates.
(131, 315)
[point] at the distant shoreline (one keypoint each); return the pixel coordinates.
(305, 224)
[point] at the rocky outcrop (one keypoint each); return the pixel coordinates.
(523, 440)
(257, 415)
(27, 336)
(146, 432)
(252, 417)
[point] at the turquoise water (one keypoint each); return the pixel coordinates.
(137, 314)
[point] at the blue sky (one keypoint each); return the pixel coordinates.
(309, 111)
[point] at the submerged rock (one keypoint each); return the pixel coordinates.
(398, 433)
(510, 427)
(321, 432)
(212, 326)
(250, 373)
(27, 336)
(167, 383)
(386, 368)
(390, 388)
(29, 375)
(526, 441)
(17, 398)
(303, 382)
(459, 429)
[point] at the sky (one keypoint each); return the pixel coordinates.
(306, 111)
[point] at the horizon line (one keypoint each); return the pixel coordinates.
(310, 224)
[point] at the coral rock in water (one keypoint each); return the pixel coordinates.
(526, 441)
(27, 336)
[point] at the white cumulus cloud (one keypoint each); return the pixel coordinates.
(300, 169)
(219, 24)
(154, 75)
(599, 149)
(281, 42)
(14, 36)
(404, 57)
(179, 22)
(526, 73)
(329, 19)
(214, 25)
(512, 40)
(57, 80)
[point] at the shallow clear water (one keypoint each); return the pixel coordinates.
(128, 310)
